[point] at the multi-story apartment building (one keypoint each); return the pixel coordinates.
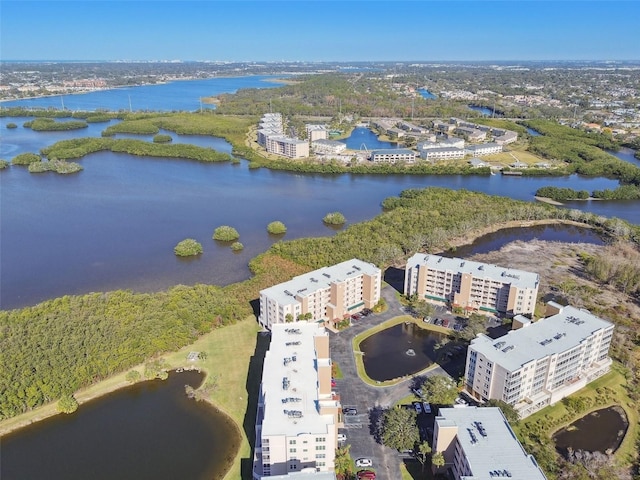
(538, 364)
(393, 155)
(478, 444)
(287, 146)
(484, 149)
(328, 147)
(317, 132)
(471, 285)
(328, 293)
(298, 415)
(442, 153)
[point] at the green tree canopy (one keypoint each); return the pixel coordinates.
(187, 248)
(475, 324)
(509, 412)
(276, 228)
(225, 233)
(440, 390)
(67, 404)
(399, 428)
(334, 218)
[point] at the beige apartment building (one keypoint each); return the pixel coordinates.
(478, 444)
(298, 415)
(539, 363)
(329, 293)
(471, 285)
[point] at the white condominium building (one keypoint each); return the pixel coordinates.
(328, 293)
(484, 149)
(298, 416)
(471, 285)
(287, 146)
(393, 155)
(478, 444)
(539, 363)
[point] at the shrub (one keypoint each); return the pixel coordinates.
(67, 404)
(276, 228)
(236, 246)
(12, 125)
(225, 233)
(3, 164)
(334, 218)
(187, 248)
(133, 376)
(25, 159)
(160, 138)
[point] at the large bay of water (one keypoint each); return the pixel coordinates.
(114, 225)
(178, 95)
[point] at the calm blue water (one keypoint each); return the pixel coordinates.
(426, 93)
(178, 95)
(533, 133)
(625, 154)
(486, 112)
(362, 137)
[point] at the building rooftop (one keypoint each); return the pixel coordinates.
(547, 336)
(290, 384)
(489, 444)
(482, 146)
(303, 476)
(308, 283)
(393, 151)
(519, 278)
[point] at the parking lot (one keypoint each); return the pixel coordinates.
(369, 401)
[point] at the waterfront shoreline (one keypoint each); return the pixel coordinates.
(118, 381)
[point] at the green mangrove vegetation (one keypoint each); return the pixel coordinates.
(57, 166)
(187, 248)
(225, 233)
(79, 147)
(11, 125)
(561, 194)
(161, 138)
(237, 246)
(334, 218)
(276, 228)
(25, 159)
(4, 164)
(50, 125)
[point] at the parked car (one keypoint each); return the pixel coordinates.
(333, 383)
(366, 312)
(418, 407)
(426, 408)
(350, 411)
(445, 323)
(342, 438)
(364, 462)
(366, 475)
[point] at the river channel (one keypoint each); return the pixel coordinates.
(150, 430)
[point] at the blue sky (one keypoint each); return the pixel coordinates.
(324, 30)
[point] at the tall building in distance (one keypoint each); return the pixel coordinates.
(478, 444)
(539, 363)
(298, 415)
(471, 285)
(329, 293)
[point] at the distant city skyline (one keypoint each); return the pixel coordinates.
(321, 30)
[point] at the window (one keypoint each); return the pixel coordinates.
(320, 439)
(321, 447)
(320, 455)
(292, 450)
(292, 442)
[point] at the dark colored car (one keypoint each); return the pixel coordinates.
(350, 411)
(366, 475)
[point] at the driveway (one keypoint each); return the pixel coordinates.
(367, 399)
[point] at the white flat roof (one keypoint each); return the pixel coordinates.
(548, 336)
(290, 382)
(308, 283)
(489, 444)
(519, 278)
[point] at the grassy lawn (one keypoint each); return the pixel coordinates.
(378, 328)
(229, 353)
(506, 158)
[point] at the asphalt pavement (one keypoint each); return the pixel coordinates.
(369, 400)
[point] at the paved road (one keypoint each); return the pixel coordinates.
(368, 400)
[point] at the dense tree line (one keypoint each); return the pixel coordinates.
(426, 220)
(560, 194)
(79, 147)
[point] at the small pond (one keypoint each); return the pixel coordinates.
(398, 351)
(598, 431)
(150, 430)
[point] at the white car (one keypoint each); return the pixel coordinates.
(342, 438)
(364, 462)
(426, 407)
(417, 406)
